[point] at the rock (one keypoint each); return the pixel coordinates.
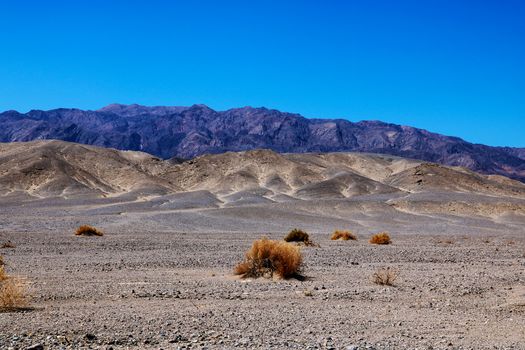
(178, 338)
(62, 339)
(36, 347)
(90, 337)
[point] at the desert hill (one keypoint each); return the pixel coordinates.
(45, 169)
(57, 168)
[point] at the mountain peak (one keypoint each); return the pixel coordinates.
(116, 107)
(200, 106)
(136, 109)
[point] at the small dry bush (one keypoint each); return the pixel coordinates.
(3, 274)
(297, 235)
(385, 276)
(7, 244)
(267, 258)
(13, 295)
(380, 238)
(86, 230)
(446, 241)
(343, 235)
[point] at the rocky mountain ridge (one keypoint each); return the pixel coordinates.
(186, 132)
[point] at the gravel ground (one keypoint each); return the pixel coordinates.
(173, 290)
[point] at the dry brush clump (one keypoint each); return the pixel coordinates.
(13, 292)
(380, 238)
(86, 230)
(267, 258)
(3, 274)
(7, 244)
(446, 241)
(299, 236)
(385, 276)
(343, 235)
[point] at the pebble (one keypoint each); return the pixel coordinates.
(36, 347)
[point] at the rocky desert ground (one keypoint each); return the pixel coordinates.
(162, 277)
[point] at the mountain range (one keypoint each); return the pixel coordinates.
(187, 132)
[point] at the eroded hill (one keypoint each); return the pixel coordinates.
(62, 169)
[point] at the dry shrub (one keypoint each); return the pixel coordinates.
(13, 295)
(380, 238)
(268, 257)
(299, 236)
(7, 244)
(385, 276)
(3, 274)
(343, 235)
(446, 241)
(86, 230)
(1, 260)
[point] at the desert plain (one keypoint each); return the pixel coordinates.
(161, 276)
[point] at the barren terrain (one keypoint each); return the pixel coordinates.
(161, 276)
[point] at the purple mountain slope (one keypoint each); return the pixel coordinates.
(187, 132)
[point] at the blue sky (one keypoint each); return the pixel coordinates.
(453, 67)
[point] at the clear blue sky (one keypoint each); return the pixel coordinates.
(453, 67)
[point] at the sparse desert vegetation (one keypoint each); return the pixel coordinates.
(380, 238)
(299, 236)
(170, 275)
(267, 258)
(343, 235)
(13, 294)
(445, 241)
(385, 276)
(7, 244)
(86, 230)
(3, 274)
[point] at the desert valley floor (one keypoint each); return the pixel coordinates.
(161, 277)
